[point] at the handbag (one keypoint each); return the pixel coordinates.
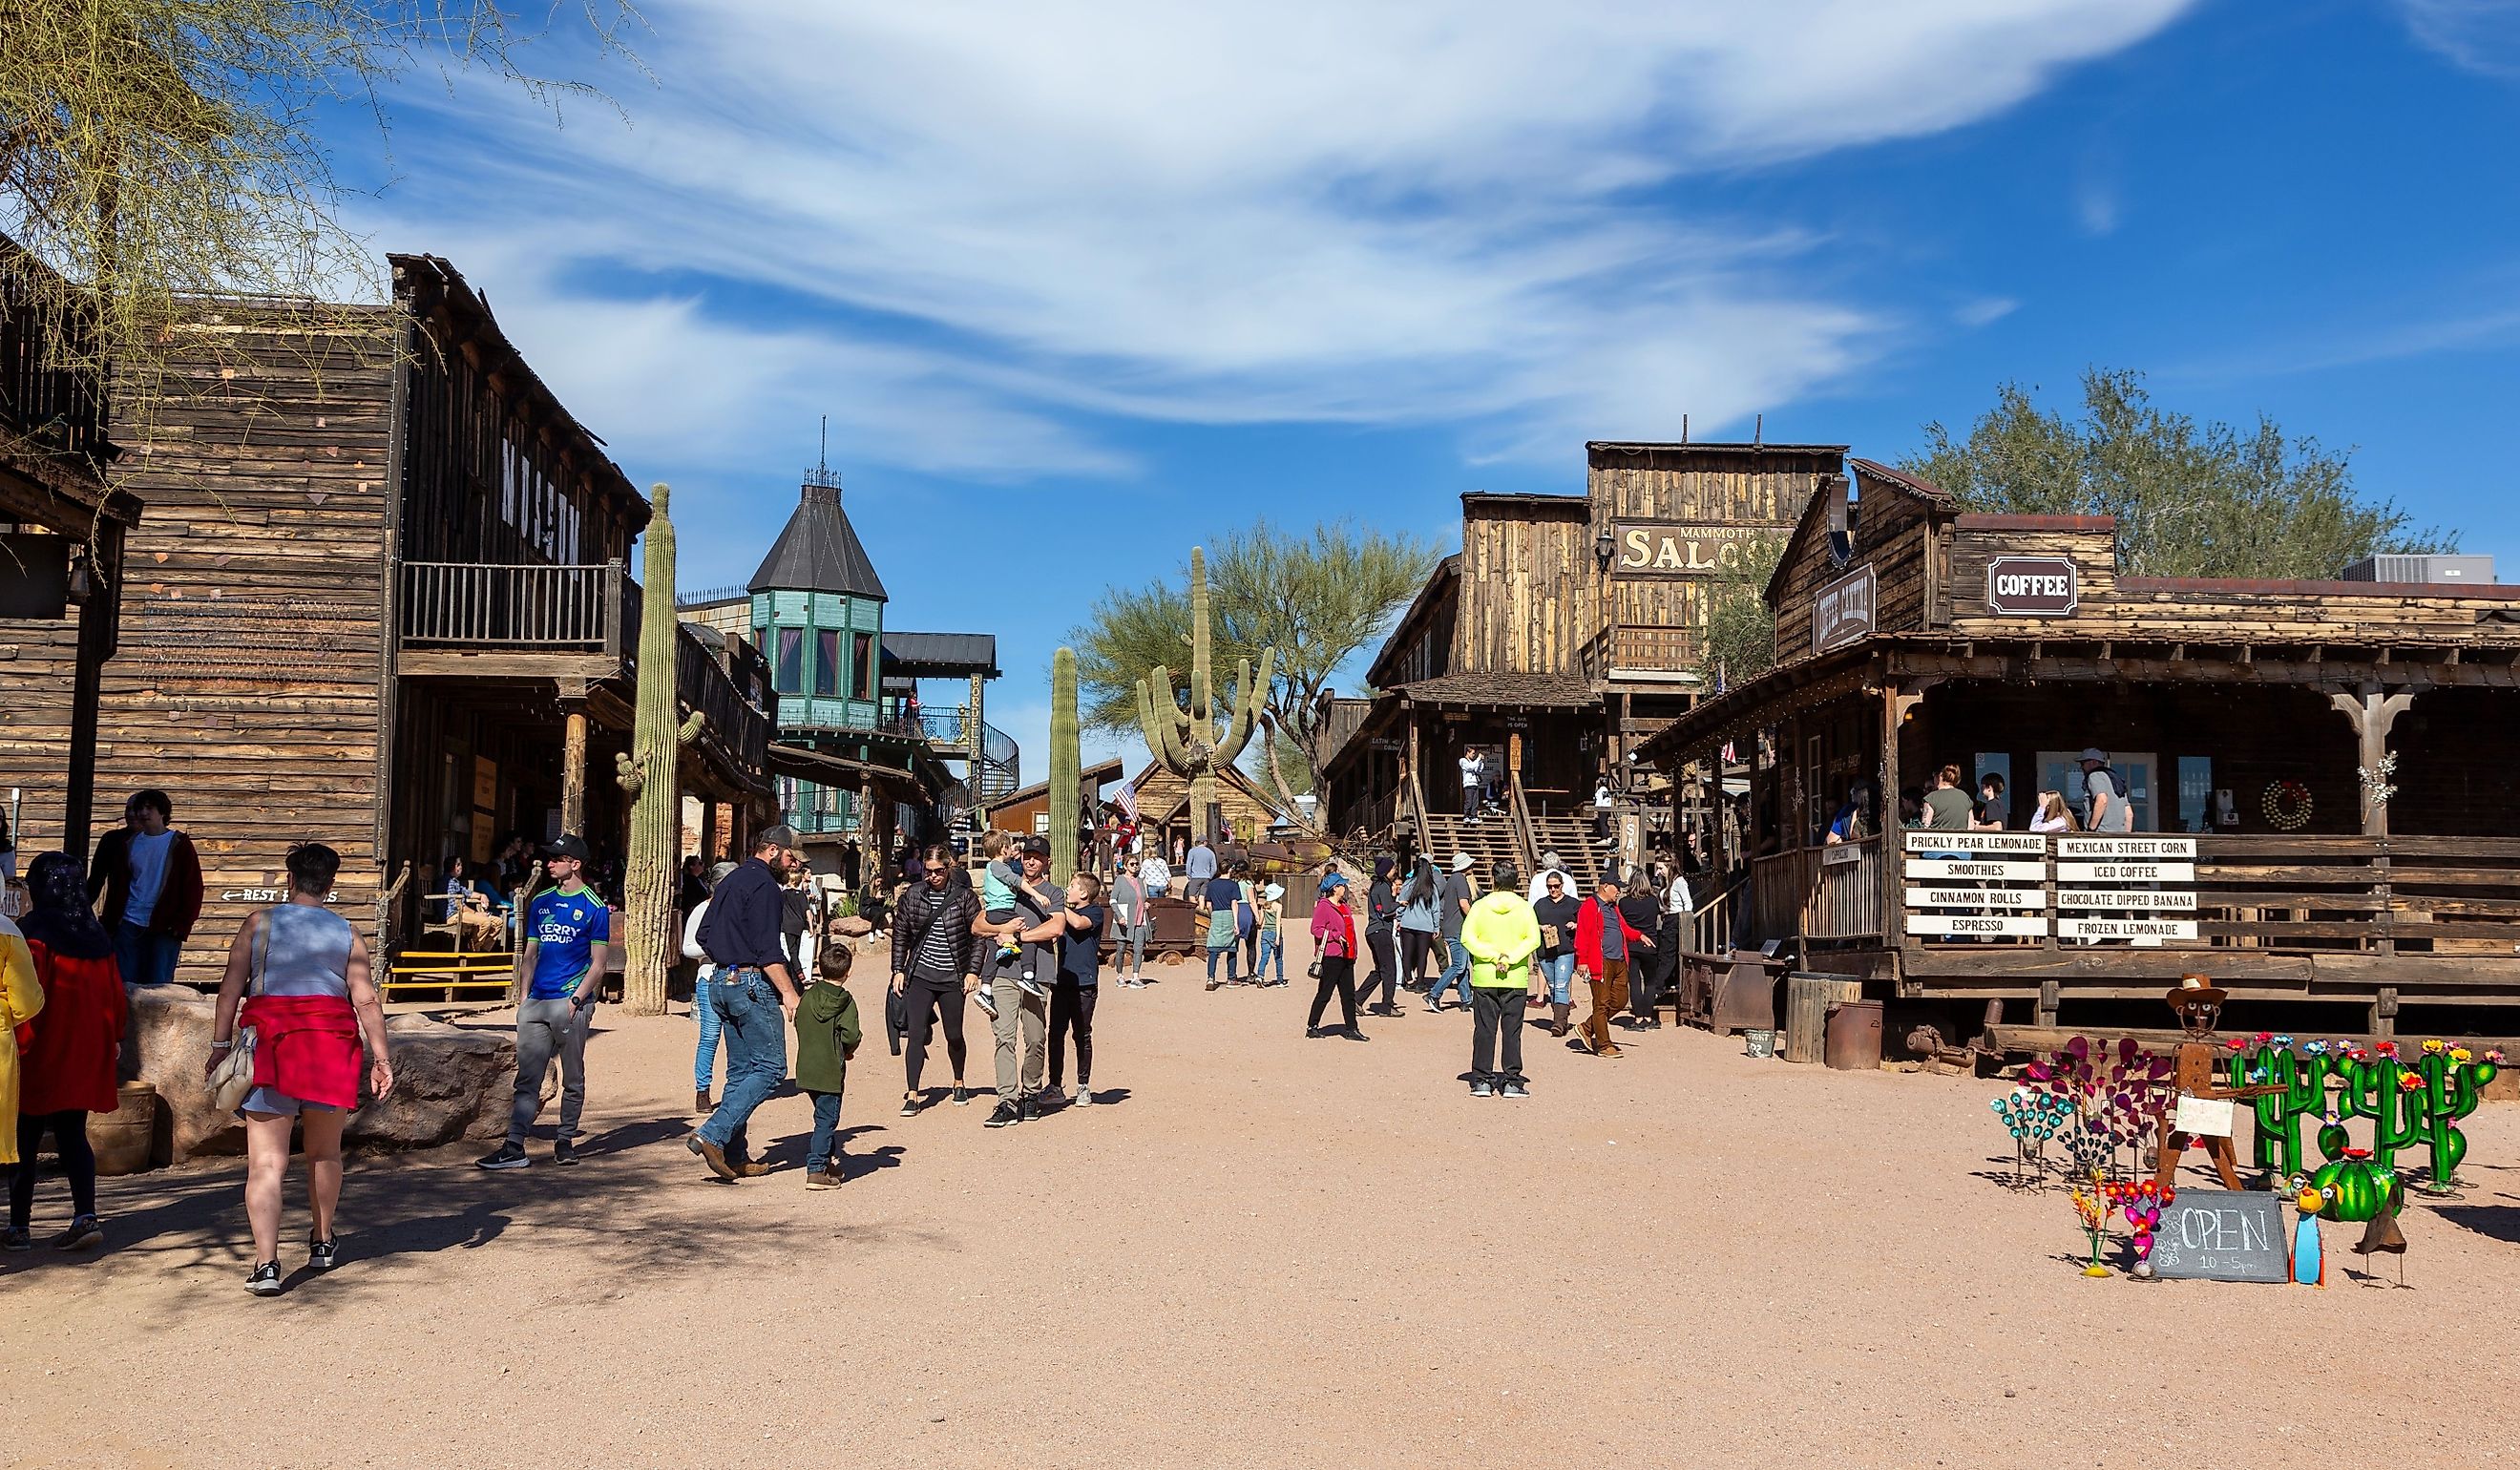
(233, 1077)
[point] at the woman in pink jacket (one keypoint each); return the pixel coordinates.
(1335, 958)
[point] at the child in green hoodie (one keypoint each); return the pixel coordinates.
(826, 1036)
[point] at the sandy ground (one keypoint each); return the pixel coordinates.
(1269, 1250)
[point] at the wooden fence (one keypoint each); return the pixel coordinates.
(459, 604)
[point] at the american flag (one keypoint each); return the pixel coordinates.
(1127, 797)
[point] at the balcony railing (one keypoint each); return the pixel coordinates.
(1639, 653)
(47, 401)
(463, 605)
(739, 717)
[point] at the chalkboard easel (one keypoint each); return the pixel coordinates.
(2222, 1236)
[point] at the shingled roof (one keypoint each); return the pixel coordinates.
(819, 551)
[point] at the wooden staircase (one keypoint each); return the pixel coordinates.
(1571, 838)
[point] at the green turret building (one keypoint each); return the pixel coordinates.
(859, 751)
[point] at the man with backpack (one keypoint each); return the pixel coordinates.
(2110, 811)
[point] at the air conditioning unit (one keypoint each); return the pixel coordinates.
(2422, 568)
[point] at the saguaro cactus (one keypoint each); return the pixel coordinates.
(649, 774)
(1186, 742)
(2374, 1090)
(1064, 766)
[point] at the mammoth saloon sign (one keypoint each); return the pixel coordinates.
(1682, 548)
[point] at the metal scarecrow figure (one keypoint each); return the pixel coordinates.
(2199, 1003)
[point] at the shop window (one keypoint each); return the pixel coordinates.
(790, 666)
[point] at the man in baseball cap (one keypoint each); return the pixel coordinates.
(753, 991)
(567, 930)
(1024, 1017)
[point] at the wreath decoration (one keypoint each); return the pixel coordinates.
(2287, 805)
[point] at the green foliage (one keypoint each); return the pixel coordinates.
(1316, 598)
(2192, 500)
(1741, 628)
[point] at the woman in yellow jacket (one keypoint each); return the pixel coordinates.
(20, 999)
(1501, 934)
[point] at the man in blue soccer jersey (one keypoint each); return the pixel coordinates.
(565, 930)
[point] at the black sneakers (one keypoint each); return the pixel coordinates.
(962, 1096)
(1351, 1033)
(1032, 1107)
(1514, 1090)
(322, 1254)
(1482, 1088)
(910, 1104)
(508, 1156)
(265, 1280)
(563, 1152)
(1006, 1115)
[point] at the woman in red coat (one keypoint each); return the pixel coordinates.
(1605, 945)
(69, 1065)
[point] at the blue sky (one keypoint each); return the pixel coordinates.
(1080, 284)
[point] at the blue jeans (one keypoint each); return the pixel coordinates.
(704, 1061)
(1457, 973)
(1560, 974)
(756, 1053)
(1271, 952)
(824, 1147)
(145, 957)
(1231, 953)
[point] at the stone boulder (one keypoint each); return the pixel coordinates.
(449, 1082)
(850, 926)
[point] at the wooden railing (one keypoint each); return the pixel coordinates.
(52, 396)
(1640, 651)
(1712, 924)
(1846, 900)
(739, 723)
(456, 604)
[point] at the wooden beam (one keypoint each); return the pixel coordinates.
(447, 663)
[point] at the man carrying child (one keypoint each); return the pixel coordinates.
(1023, 918)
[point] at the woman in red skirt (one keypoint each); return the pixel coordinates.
(71, 1055)
(312, 1000)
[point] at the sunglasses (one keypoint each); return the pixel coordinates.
(938, 873)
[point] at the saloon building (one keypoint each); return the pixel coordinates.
(1565, 631)
(2320, 774)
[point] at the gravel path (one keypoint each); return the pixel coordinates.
(1268, 1251)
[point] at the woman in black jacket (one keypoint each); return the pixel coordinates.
(935, 965)
(1381, 911)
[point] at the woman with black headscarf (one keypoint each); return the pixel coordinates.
(69, 1065)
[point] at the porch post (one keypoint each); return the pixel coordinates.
(572, 773)
(2373, 715)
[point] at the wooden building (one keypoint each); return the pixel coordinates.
(62, 549)
(859, 755)
(1026, 810)
(1564, 630)
(2318, 773)
(1163, 806)
(386, 603)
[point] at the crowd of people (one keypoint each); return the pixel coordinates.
(298, 1033)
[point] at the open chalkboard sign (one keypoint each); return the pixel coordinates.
(2223, 1235)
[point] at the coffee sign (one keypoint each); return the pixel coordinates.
(1681, 548)
(1843, 610)
(2032, 587)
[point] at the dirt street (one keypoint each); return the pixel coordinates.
(1265, 1250)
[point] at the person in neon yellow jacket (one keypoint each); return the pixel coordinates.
(1501, 934)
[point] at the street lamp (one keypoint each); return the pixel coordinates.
(1605, 547)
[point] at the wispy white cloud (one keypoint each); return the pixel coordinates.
(988, 226)
(1985, 311)
(2479, 35)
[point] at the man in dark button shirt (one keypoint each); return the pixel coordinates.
(755, 998)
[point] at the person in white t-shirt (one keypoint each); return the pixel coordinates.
(1474, 768)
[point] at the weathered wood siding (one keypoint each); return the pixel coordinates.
(1715, 484)
(247, 683)
(1893, 532)
(1528, 587)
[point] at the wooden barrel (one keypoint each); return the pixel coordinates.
(1807, 1002)
(122, 1138)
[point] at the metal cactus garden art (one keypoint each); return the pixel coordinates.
(2408, 1101)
